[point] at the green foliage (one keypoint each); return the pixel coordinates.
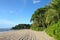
(48, 18)
(51, 16)
(22, 26)
(47, 15)
(43, 17)
(55, 4)
(38, 28)
(38, 19)
(54, 30)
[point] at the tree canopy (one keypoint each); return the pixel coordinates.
(47, 15)
(48, 18)
(22, 26)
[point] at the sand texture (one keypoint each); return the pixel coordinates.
(25, 34)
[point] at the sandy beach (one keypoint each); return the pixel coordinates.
(25, 34)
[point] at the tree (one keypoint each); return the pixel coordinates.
(22, 26)
(38, 17)
(55, 4)
(51, 16)
(44, 17)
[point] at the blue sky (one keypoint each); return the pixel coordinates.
(14, 12)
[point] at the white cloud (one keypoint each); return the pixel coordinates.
(6, 24)
(36, 1)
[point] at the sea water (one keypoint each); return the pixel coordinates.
(4, 29)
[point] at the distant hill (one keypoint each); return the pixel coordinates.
(22, 26)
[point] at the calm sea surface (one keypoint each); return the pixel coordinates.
(4, 29)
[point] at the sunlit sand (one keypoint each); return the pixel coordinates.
(25, 34)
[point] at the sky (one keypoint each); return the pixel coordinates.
(13, 12)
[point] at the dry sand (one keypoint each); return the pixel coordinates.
(25, 34)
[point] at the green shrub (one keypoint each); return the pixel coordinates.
(38, 28)
(54, 30)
